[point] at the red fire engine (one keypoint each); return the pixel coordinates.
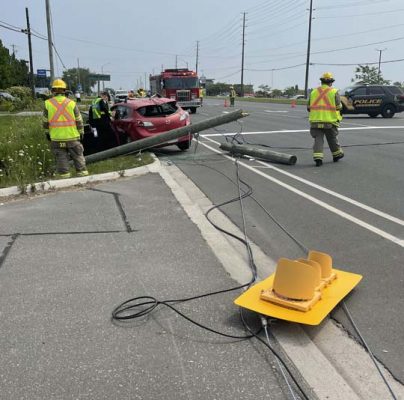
(179, 84)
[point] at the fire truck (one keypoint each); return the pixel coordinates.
(180, 84)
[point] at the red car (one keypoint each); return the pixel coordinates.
(144, 117)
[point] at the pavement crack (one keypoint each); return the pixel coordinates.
(120, 208)
(7, 249)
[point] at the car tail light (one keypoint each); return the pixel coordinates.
(184, 116)
(144, 124)
(400, 97)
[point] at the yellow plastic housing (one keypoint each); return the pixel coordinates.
(296, 293)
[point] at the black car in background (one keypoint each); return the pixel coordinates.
(372, 100)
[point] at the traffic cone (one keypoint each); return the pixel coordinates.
(293, 103)
(225, 103)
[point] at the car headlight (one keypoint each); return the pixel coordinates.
(184, 116)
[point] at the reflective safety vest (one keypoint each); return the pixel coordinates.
(61, 118)
(323, 107)
(96, 109)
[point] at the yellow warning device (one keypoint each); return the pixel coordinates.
(303, 290)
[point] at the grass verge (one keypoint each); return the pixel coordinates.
(25, 156)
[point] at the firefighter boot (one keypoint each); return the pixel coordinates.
(338, 157)
(318, 162)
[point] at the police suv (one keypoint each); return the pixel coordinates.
(372, 100)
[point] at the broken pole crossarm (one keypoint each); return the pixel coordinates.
(256, 152)
(166, 136)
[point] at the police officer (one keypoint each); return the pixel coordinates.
(324, 105)
(100, 119)
(232, 96)
(64, 128)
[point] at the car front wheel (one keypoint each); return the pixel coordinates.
(184, 145)
(388, 111)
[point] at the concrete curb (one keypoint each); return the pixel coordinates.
(46, 186)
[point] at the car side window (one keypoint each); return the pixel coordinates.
(121, 112)
(359, 92)
(376, 90)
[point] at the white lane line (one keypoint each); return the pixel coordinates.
(330, 192)
(300, 130)
(352, 123)
(273, 111)
(328, 207)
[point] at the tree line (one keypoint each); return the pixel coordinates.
(13, 72)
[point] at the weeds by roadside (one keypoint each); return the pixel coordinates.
(25, 156)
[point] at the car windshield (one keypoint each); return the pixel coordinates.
(181, 83)
(158, 110)
(348, 89)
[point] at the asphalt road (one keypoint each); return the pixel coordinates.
(352, 209)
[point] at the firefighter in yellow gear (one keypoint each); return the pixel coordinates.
(141, 92)
(64, 128)
(232, 96)
(324, 115)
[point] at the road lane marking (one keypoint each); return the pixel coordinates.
(298, 131)
(330, 192)
(273, 111)
(328, 207)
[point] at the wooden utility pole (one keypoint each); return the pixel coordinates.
(306, 80)
(197, 56)
(31, 67)
(50, 43)
(242, 59)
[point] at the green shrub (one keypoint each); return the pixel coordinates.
(24, 96)
(6, 105)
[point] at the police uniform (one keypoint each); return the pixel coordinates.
(64, 127)
(324, 105)
(99, 118)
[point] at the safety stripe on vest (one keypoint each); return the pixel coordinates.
(323, 96)
(61, 111)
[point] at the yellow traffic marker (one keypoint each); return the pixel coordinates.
(294, 292)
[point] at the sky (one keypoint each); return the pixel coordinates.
(130, 39)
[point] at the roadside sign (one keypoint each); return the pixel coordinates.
(79, 87)
(41, 73)
(99, 77)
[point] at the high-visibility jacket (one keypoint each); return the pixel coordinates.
(62, 120)
(323, 107)
(232, 93)
(96, 108)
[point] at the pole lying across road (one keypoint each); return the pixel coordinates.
(256, 152)
(166, 136)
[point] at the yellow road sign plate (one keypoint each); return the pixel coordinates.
(330, 297)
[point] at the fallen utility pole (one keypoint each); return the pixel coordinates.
(256, 152)
(166, 136)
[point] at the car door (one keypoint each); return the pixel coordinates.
(122, 122)
(357, 97)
